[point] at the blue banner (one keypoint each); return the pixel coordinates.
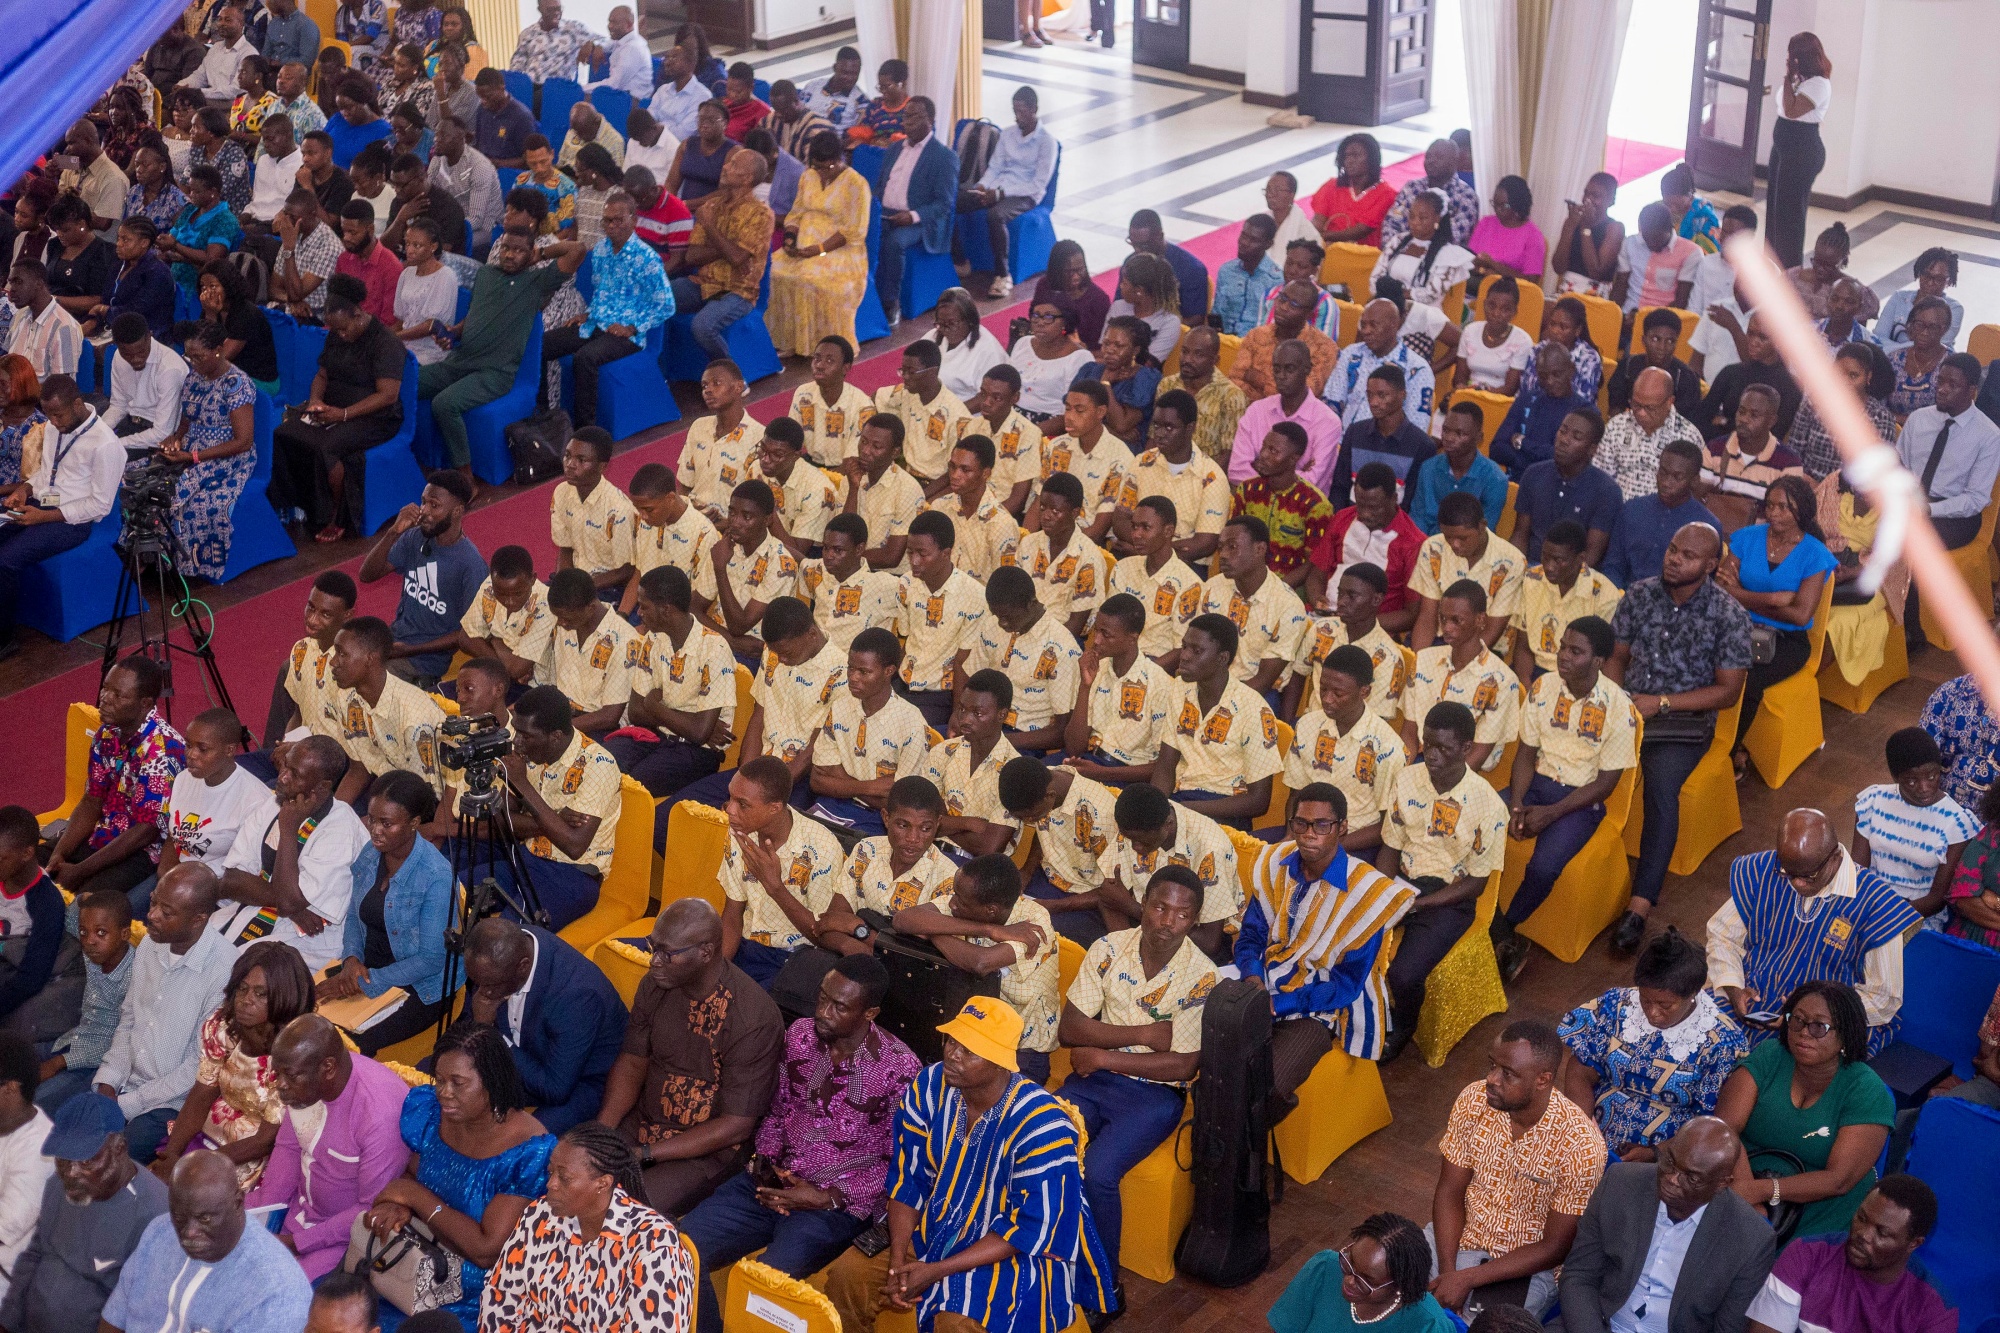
(57, 57)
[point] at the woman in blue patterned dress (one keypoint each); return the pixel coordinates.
(153, 195)
(1916, 365)
(477, 1159)
(1647, 1058)
(215, 443)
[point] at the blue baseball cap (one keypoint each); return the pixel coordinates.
(82, 1124)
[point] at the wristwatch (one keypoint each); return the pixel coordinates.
(861, 932)
(1666, 703)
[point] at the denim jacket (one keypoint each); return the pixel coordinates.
(415, 911)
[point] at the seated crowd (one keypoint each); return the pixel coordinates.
(1163, 655)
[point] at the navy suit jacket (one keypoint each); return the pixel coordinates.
(933, 191)
(571, 1027)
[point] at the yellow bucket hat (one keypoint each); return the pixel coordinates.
(990, 1029)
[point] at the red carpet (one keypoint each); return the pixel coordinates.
(252, 637)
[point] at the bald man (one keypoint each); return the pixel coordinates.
(177, 981)
(1379, 342)
(1806, 911)
(97, 178)
(339, 1141)
(1441, 175)
(555, 1008)
(1667, 1246)
(203, 1267)
(1635, 438)
(631, 58)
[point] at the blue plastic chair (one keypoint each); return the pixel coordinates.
(466, 243)
(258, 537)
(925, 275)
(1947, 984)
(284, 330)
(509, 178)
(632, 393)
(748, 340)
(86, 369)
(72, 592)
(390, 475)
(558, 96)
(762, 87)
(520, 87)
(614, 104)
(659, 70)
(1030, 236)
(925, 278)
(870, 321)
(1957, 1153)
(491, 462)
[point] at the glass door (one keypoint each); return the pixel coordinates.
(1726, 109)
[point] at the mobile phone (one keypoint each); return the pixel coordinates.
(765, 1172)
(65, 162)
(1763, 1016)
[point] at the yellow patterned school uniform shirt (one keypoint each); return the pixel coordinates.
(309, 681)
(1363, 763)
(890, 743)
(888, 505)
(526, 632)
(795, 698)
(969, 791)
(1201, 845)
(1068, 580)
(1230, 746)
(930, 430)
(694, 676)
(713, 465)
(1199, 489)
(1269, 622)
(1446, 835)
(1499, 572)
(1102, 469)
(1041, 661)
(1112, 987)
(1326, 633)
(596, 528)
(594, 670)
(1017, 449)
(682, 543)
(865, 599)
(763, 575)
(584, 779)
(1546, 611)
(983, 541)
(936, 625)
(870, 880)
(1172, 598)
(1130, 715)
(810, 859)
(1576, 739)
(400, 730)
(1486, 685)
(832, 431)
(1076, 834)
(806, 499)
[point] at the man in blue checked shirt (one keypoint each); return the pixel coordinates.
(1379, 343)
(630, 299)
(1017, 176)
(1242, 284)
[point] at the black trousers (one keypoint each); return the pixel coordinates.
(1427, 938)
(1001, 212)
(304, 457)
(663, 767)
(590, 353)
(1794, 649)
(411, 1017)
(1797, 154)
(1665, 765)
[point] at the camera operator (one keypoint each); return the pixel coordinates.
(483, 686)
(74, 484)
(569, 795)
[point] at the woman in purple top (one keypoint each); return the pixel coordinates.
(1507, 239)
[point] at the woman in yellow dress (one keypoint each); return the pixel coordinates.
(818, 277)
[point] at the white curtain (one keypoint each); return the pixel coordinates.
(875, 36)
(1579, 73)
(935, 27)
(1493, 76)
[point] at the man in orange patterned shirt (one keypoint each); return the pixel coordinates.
(1521, 1161)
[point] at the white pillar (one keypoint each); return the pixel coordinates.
(1271, 52)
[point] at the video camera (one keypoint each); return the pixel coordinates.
(476, 745)
(147, 498)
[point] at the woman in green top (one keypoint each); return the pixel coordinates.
(1380, 1281)
(1811, 1094)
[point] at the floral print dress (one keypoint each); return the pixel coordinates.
(1651, 1081)
(11, 440)
(205, 500)
(246, 1093)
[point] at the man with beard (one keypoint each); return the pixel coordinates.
(442, 572)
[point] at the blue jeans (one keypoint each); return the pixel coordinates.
(730, 1224)
(1126, 1118)
(144, 1135)
(889, 263)
(59, 1088)
(850, 815)
(1555, 848)
(21, 547)
(712, 316)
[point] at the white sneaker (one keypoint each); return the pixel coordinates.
(1001, 286)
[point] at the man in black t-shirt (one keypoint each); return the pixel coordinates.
(355, 404)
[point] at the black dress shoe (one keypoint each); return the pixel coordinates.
(1631, 932)
(1512, 955)
(1398, 1039)
(1098, 1319)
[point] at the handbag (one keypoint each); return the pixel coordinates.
(411, 1270)
(1763, 645)
(1665, 728)
(1785, 1217)
(536, 444)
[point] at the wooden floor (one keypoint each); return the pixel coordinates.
(1396, 1169)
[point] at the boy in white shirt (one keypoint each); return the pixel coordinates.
(213, 797)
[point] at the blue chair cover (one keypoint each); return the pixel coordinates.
(1957, 1153)
(390, 473)
(70, 593)
(558, 96)
(258, 537)
(1947, 982)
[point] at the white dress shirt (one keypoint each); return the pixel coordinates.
(273, 183)
(79, 472)
(1021, 164)
(217, 72)
(658, 159)
(896, 190)
(325, 881)
(1645, 1310)
(517, 1003)
(152, 393)
(1963, 483)
(631, 67)
(24, 1172)
(676, 108)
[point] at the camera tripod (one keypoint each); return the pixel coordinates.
(485, 840)
(149, 569)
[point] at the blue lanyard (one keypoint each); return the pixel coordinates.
(63, 450)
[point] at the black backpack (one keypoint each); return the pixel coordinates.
(536, 443)
(1228, 1240)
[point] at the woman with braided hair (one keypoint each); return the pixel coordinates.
(1379, 1280)
(590, 1254)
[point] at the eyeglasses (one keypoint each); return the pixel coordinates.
(1325, 828)
(1044, 315)
(1810, 1027)
(1347, 1267)
(668, 955)
(1811, 877)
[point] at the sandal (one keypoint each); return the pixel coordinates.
(1740, 760)
(330, 534)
